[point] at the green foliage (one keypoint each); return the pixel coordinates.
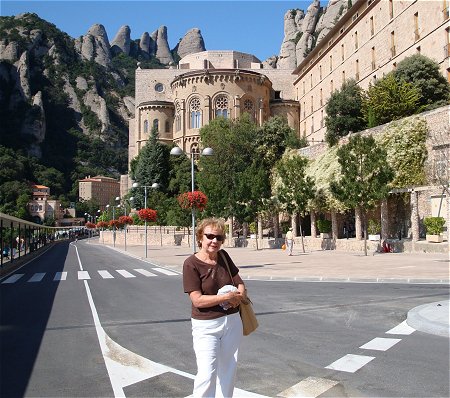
(344, 112)
(293, 187)
(373, 227)
(324, 225)
(389, 99)
(434, 225)
(365, 173)
(425, 75)
(405, 144)
(233, 142)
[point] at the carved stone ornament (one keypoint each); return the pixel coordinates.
(194, 89)
(222, 86)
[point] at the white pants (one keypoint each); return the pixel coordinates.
(216, 346)
(290, 245)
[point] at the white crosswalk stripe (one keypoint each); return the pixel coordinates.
(125, 274)
(350, 363)
(380, 344)
(82, 275)
(164, 271)
(14, 278)
(37, 277)
(60, 276)
(105, 274)
(145, 272)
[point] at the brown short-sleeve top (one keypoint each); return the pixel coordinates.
(208, 279)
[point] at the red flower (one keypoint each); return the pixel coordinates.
(90, 225)
(102, 224)
(115, 223)
(125, 220)
(147, 214)
(195, 199)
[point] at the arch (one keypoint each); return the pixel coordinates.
(195, 112)
(221, 105)
(248, 105)
(146, 126)
(156, 124)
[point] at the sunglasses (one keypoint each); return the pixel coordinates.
(220, 238)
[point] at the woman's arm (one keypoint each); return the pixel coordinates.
(200, 300)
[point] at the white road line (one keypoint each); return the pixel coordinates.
(350, 363)
(83, 275)
(402, 328)
(165, 271)
(144, 272)
(13, 278)
(105, 274)
(37, 277)
(310, 387)
(60, 276)
(125, 274)
(380, 344)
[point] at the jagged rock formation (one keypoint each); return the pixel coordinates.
(34, 125)
(121, 42)
(331, 14)
(162, 46)
(191, 43)
(94, 46)
(302, 31)
(147, 46)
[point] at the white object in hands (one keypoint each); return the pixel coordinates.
(224, 290)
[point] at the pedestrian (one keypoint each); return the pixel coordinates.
(289, 241)
(216, 323)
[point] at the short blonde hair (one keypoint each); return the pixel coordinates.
(216, 223)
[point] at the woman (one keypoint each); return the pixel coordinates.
(216, 323)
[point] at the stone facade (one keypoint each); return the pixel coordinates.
(206, 85)
(365, 44)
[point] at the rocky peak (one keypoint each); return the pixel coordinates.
(162, 46)
(331, 14)
(191, 43)
(95, 45)
(121, 42)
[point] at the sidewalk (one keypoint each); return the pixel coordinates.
(327, 266)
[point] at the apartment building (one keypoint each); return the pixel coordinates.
(365, 44)
(99, 188)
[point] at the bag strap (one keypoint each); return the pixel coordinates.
(224, 258)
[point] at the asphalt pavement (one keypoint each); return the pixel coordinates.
(326, 266)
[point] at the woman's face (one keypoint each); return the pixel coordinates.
(212, 239)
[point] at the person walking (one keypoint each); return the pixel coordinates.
(289, 241)
(216, 324)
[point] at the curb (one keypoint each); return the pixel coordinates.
(431, 318)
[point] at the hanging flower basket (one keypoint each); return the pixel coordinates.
(90, 225)
(102, 225)
(125, 220)
(196, 200)
(115, 223)
(147, 214)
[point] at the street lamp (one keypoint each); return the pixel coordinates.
(177, 151)
(117, 198)
(155, 185)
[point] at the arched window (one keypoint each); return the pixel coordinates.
(156, 124)
(167, 129)
(249, 107)
(221, 106)
(178, 117)
(195, 112)
(146, 126)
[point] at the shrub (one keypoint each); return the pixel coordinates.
(373, 227)
(434, 225)
(324, 225)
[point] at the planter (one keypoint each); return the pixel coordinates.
(374, 237)
(435, 238)
(325, 235)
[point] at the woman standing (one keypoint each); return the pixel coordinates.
(216, 323)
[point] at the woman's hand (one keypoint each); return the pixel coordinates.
(234, 299)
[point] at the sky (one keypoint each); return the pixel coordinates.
(249, 26)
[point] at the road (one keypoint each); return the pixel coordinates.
(85, 321)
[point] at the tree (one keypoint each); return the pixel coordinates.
(233, 142)
(389, 99)
(344, 112)
(152, 166)
(365, 175)
(293, 187)
(424, 74)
